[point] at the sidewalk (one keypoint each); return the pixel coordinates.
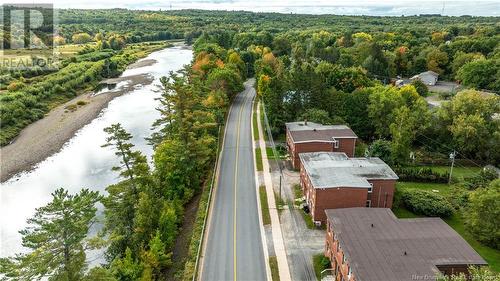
(279, 246)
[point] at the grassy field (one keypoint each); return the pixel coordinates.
(266, 217)
(273, 264)
(456, 221)
(491, 255)
(262, 122)
(443, 189)
(258, 159)
(255, 127)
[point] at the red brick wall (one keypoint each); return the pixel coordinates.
(345, 145)
(340, 268)
(335, 198)
(383, 193)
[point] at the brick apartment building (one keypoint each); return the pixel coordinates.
(374, 245)
(312, 137)
(331, 180)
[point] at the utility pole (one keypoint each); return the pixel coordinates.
(273, 145)
(452, 157)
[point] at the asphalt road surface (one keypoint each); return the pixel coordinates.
(234, 248)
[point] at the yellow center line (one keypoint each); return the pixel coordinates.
(235, 185)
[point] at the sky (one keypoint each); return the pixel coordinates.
(339, 7)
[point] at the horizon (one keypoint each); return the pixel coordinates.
(488, 8)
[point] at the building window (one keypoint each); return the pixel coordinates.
(349, 274)
(335, 143)
(368, 203)
(343, 258)
(370, 189)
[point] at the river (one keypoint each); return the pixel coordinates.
(82, 162)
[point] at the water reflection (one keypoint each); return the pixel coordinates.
(83, 163)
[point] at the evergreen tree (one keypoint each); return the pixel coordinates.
(56, 236)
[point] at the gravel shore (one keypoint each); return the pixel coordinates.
(48, 135)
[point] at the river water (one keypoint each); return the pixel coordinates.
(82, 162)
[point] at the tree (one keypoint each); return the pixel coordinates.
(126, 268)
(468, 117)
(376, 62)
(461, 58)
(383, 102)
(56, 236)
(481, 74)
(381, 149)
(483, 213)
(134, 165)
(420, 86)
(316, 115)
(437, 60)
(123, 198)
(81, 38)
(155, 258)
(469, 132)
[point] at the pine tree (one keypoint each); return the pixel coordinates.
(56, 236)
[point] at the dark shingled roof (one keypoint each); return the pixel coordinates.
(302, 132)
(377, 253)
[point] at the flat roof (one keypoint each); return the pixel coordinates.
(335, 169)
(310, 131)
(378, 253)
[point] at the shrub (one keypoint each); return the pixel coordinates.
(481, 219)
(421, 174)
(71, 107)
(421, 88)
(482, 179)
(426, 203)
(81, 103)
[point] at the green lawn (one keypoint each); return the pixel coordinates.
(491, 255)
(273, 264)
(266, 217)
(258, 159)
(297, 191)
(279, 202)
(456, 221)
(262, 122)
(254, 123)
(444, 189)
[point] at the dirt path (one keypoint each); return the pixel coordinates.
(48, 135)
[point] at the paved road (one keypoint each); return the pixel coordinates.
(234, 247)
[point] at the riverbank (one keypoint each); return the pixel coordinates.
(48, 135)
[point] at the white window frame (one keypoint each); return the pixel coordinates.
(336, 143)
(369, 203)
(370, 189)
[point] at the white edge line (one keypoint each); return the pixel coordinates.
(212, 199)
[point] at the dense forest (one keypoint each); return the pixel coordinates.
(461, 49)
(328, 69)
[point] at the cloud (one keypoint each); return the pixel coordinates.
(360, 7)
